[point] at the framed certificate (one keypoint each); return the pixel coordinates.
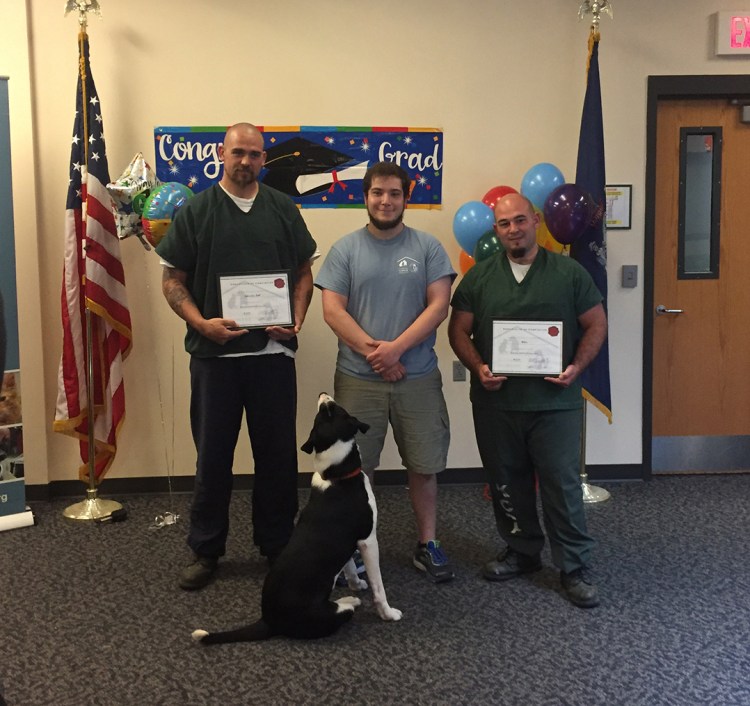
(257, 299)
(526, 347)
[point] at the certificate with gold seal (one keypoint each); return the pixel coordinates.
(526, 347)
(257, 299)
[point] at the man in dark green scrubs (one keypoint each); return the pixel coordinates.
(529, 427)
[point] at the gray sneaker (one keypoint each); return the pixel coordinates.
(509, 564)
(431, 559)
(580, 588)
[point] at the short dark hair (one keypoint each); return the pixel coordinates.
(386, 169)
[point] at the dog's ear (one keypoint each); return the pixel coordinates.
(308, 446)
(362, 426)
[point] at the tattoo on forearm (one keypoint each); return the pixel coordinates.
(175, 293)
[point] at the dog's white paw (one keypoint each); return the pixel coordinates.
(351, 600)
(387, 613)
(347, 603)
(357, 584)
(198, 635)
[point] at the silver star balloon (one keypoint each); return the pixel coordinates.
(83, 7)
(594, 8)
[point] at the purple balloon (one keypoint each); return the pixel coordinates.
(567, 213)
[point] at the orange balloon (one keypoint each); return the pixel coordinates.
(466, 262)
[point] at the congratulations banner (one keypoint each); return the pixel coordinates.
(319, 167)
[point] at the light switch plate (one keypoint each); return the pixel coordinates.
(629, 276)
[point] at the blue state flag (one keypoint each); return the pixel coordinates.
(590, 249)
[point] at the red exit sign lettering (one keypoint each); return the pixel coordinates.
(733, 32)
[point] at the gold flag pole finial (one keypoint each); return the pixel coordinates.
(83, 7)
(595, 8)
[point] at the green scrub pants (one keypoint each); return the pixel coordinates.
(518, 447)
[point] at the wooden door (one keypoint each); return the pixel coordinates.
(701, 344)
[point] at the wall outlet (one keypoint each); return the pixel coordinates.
(459, 371)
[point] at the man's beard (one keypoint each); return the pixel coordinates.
(380, 224)
(242, 177)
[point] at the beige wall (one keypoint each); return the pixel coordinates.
(504, 80)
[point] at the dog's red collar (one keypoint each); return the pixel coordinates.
(354, 473)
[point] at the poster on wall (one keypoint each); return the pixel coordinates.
(319, 167)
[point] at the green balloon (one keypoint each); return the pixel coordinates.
(487, 245)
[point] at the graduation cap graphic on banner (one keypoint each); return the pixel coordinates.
(300, 167)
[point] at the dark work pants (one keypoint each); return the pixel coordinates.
(515, 445)
(265, 388)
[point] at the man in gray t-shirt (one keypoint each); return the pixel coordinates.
(386, 289)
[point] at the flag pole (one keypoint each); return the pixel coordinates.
(93, 507)
(591, 494)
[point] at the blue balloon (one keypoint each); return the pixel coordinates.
(540, 181)
(471, 222)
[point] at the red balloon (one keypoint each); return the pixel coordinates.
(496, 193)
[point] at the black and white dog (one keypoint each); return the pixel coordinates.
(340, 517)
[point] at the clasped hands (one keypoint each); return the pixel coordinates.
(385, 360)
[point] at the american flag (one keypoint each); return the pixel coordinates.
(93, 279)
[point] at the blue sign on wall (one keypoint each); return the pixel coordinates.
(7, 238)
(319, 167)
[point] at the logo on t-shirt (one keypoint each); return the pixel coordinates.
(406, 265)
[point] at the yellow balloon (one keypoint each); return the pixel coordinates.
(544, 237)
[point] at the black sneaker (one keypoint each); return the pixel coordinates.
(509, 564)
(580, 588)
(431, 559)
(199, 573)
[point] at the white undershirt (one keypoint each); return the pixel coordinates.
(519, 271)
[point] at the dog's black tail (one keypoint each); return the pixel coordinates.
(248, 633)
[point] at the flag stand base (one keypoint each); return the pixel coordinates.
(592, 493)
(92, 508)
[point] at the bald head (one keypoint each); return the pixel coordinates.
(243, 157)
(516, 222)
(514, 200)
(238, 129)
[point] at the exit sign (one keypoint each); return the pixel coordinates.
(733, 32)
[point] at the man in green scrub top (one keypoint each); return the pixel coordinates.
(529, 427)
(238, 226)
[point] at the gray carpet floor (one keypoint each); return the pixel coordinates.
(92, 614)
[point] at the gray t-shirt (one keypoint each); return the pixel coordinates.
(385, 282)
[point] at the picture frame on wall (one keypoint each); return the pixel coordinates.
(619, 207)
